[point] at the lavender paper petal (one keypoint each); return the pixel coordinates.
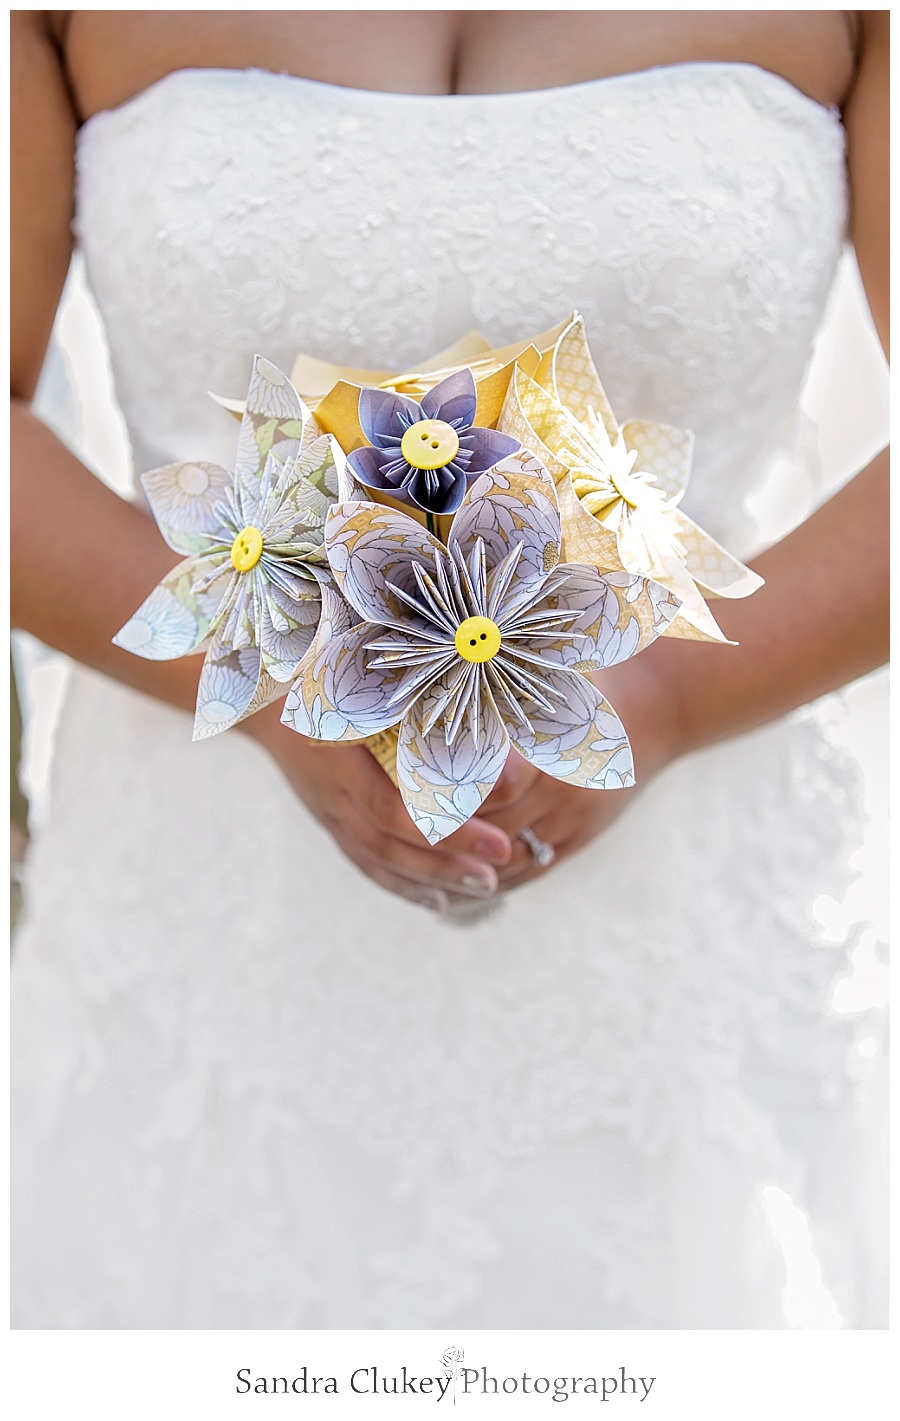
(453, 400)
(340, 695)
(446, 500)
(618, 615)
(515, 503)
(370, 545)
(582, 741)
(489, 447)
(443, 786)
(365, 465)
(378, 415)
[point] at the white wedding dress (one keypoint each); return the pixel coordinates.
(253, 1089)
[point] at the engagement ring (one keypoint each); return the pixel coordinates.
(542, 853)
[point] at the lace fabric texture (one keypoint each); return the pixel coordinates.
(257, 1091)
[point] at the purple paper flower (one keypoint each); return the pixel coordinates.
(426, 453)
(474, 646)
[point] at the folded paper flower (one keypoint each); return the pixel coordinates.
(333, 391)
(620, 485)
(474, 646)
(249, 591)
(426, 452)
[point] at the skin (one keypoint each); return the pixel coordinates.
(820, 621)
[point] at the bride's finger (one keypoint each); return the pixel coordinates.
(452, 872)
(422, 895)
(415, 860)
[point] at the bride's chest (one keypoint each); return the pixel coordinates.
(694, 215)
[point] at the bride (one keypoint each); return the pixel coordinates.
(256, 1084)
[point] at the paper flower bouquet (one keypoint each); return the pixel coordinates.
(434, 562)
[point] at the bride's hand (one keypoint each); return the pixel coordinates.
(350, 794)
(563, 815)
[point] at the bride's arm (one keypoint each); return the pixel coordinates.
(84, 559)
(821, 619)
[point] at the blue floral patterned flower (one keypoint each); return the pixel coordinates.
(426, 453)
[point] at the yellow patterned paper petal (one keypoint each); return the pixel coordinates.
(694, 621)
(556, 428)
(664, 450)
(574, 379)
(340, 695)
(443, 786)
(584, 539)
(583, 742)
(712, 567)
(514, 420)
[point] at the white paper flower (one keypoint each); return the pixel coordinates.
(249, 591)
(620, 486)
(474, 646)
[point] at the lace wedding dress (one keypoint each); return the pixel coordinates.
(253, 1089)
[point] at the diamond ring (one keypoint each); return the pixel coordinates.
(542, 853)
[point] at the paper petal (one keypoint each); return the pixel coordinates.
(336, 616)
(489, 447)
(664, 450)
(711, 565)
(514, 421)
(228, 683)
(694, 621)
(380, 414)
(370, 545)
(183, 499)
(555, 433)
(443, 786)
(283, 650)
(584, 539)
(514, 503)
(340, 695)
(365, 465)
(645, 609)
(173, 621)
(574, 378)
(273, 421)
(583, 742)
(453, 400)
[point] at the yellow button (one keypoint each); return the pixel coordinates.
(477, 639)
(430, 444)
(246, 549)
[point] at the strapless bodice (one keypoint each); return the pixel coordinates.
(693, 213)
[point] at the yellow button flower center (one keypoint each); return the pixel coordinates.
(246, 550)
(477, 639)
(429, 444)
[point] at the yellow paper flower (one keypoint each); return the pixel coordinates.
(619, 486)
